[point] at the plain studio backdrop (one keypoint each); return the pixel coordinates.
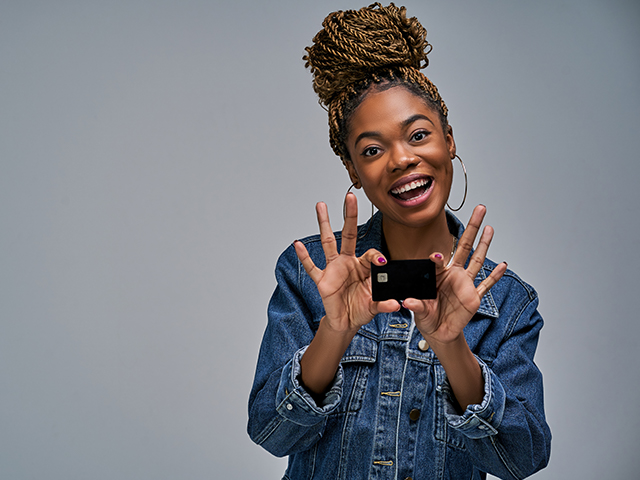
(157, 156)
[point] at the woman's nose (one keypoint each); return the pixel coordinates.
(402, 158)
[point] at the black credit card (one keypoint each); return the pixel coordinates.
(400, 279)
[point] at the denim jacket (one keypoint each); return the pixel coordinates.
(390, 412)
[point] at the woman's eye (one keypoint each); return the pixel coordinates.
(370, 151)
(418, 136)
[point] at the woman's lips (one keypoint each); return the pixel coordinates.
(411, 191)
(409, 179)
(410, 186)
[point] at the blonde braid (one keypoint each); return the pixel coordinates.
(358, 48)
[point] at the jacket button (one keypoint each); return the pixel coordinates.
(423, 345)
(414, 414)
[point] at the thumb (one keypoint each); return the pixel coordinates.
(418, 307)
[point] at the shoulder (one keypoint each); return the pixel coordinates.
(513, 300)
(510, 283)
(289, 265)
(294, 286)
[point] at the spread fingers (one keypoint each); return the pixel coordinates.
(477, 259)
(492, 279)
(465, 244)
(303, 255)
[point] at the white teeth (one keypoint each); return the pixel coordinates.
(409, 186)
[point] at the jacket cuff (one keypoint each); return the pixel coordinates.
(478, 420)
(295, 404)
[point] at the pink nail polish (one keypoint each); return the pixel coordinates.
(438, 256)
(382, 260)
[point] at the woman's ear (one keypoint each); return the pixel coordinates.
(451, 143)
(353, 175)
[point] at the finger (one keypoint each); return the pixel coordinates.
(438, 259)
(371, 256)
(419, 307)
(326, 234)
(480, 253)
(465, 244)
(303, 255)
(386, 306)
(492, 279)
(350, 228)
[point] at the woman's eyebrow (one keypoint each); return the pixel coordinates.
(413, 118)
(404, 124)
(367, 134)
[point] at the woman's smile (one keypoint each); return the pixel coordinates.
(412, 190)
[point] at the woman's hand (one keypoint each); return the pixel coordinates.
(345, 283)
(442, 320)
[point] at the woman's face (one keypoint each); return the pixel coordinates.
(401, 156)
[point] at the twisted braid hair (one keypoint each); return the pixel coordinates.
(375, 46)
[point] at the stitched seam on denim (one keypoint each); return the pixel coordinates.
(528, 288)
(269, 429)
(488, 297)
(512, 468)
(299, 274)
(404, 373)
(358, 358)
(517, 318)
(348, 420)
(314, 453)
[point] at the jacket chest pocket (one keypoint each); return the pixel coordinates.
(356, 364)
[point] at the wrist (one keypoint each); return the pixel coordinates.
(448, 348)
(444, 341)
(338, 329)
(321, 360)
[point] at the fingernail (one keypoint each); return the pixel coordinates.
(382, 260)
(438, 256)
(506, 264)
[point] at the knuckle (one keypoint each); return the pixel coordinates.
(327, 239)
(349, 235)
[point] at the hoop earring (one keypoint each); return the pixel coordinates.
(464, 169)
(344, 212)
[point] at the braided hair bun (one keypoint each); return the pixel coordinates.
(358, 47)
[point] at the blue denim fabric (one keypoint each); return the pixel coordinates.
(362, 428)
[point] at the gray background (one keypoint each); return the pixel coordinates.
(157, 156)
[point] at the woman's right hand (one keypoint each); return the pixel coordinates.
(345, 283)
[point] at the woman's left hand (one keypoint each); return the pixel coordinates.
(443, 319)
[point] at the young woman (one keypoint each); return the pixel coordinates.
(350, 388)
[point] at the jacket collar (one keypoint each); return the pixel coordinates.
(371, 233)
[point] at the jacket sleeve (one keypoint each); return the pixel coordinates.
(283, 417)
(507, 434)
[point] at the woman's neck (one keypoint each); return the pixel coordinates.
(405, 243)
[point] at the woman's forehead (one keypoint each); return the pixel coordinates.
(390, 108)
